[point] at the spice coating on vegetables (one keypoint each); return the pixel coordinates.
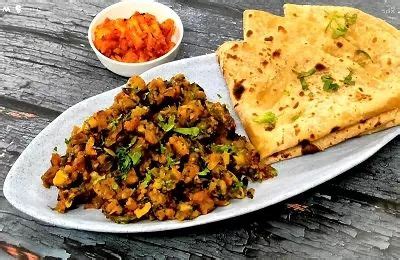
(161, 151)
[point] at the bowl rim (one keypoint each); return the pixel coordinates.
(179, 26)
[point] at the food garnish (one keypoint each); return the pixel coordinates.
(303, 75)
(295, 117)
(348, 80)
(192, 131)
(329, 84)
(161, 151)
(268, 118)
(139, 38)
(340, 24)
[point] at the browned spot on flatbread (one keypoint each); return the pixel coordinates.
(259, 70)
(312, 136)
(335, 129)
(296, 105)
(269, 39)
(264, 63)
(238, 89)
(235, 46)
(339, 44)
(281, 29)
(250, 15)
(276, 53)
(377, 124)
(249, 33)
(308, 148)
(374, 40)
(389, 62)
(230, 56)
(275, 154)
(320, 66)
(301, 93)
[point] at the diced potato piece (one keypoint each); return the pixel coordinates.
(89, 150)
(61, 178)
(140, 212)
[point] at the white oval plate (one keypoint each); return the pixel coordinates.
(24, 190)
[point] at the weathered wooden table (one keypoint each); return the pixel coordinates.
(46, 65)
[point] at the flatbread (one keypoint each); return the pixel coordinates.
(372, 125)
(254, 24)
(259, 76)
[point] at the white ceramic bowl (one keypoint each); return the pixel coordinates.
(125, 10)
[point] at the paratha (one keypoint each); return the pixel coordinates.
(262, 74)
(254, 24)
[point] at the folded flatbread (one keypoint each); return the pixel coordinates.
(314, 78)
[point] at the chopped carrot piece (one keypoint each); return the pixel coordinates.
(139, 38)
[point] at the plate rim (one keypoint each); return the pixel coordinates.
(112, 227)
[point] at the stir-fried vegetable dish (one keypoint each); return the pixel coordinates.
(161, 151)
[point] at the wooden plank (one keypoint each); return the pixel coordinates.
(355, 212)
(50, 66)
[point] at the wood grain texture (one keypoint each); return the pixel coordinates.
(46, 65)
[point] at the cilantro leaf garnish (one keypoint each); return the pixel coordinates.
(114, 122)
(295, 117)
(223, 148)
(303, 75)
(135, 157)
(350, 19)
(340, 24)
(339, 32)
(237, 185)
(268, 118)
(329, 84)
(166, 126)
(307, 73)
(204, 172)
(127, 159)
(192, 131)
(147, 179)
(171, 162)
(348, 80)
(162, 148)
